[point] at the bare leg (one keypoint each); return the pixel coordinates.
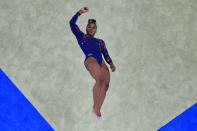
(96, 97)
(95, 71)
(102, 97)
(103, 91)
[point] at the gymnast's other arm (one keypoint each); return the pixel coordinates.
(107, 57)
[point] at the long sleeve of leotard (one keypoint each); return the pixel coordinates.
(74, 27)
(105, 52)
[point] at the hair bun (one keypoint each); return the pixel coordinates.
(91, 21)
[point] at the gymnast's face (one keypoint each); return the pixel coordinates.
(91, 29)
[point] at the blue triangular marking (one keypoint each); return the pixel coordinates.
(186, 121)
(16, 112)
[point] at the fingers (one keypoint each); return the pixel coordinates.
(113, 68)
(84, 9)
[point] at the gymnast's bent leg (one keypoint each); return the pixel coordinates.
(95, 70)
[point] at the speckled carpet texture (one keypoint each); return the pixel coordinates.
(153, 44)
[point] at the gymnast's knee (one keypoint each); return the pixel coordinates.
(100, 80)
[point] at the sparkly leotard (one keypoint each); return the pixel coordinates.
(91, 46)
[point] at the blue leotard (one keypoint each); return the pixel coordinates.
(90, 45)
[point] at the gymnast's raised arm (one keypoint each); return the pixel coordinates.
(74, 27)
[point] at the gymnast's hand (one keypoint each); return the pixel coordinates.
(113, 67)
(83, 10)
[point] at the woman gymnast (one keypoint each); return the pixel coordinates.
(93, 48)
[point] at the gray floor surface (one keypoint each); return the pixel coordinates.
(152, 43)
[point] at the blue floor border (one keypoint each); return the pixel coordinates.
(186, 121)
(16, 112)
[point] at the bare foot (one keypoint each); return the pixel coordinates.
(96, 112)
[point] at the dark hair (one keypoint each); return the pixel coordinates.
(91, 21)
